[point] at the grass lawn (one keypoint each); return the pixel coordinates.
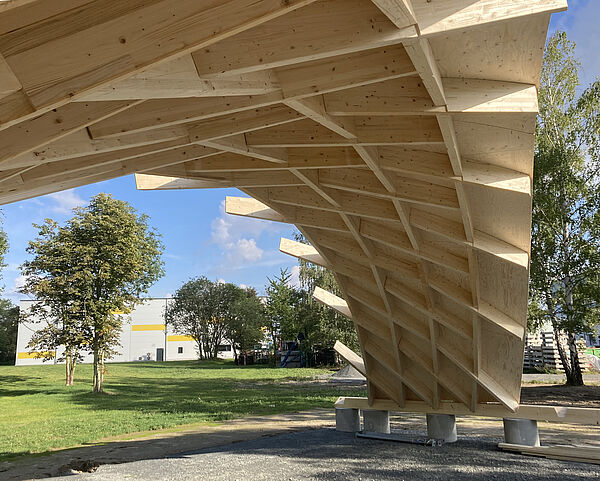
(38, 413)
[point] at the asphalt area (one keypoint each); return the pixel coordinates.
(306, 446)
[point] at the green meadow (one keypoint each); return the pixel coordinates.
(39, 414)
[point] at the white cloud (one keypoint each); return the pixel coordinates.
(66, 201)
(248, 250)
(243, 286)
(220, 281)
(237, 238)
(12, 267)
(581, 24)
(295, 279)
(13, 293)
(19, 283)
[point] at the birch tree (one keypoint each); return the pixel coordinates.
(565, 254)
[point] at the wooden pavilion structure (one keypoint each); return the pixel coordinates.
(397, 135)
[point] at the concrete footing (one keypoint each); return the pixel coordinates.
(521, 431)
(347, 420)
(376, 421)
(442, 426)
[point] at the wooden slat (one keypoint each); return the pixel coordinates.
(60, 69)
(353, 359)
(51, 126)
(380, 128)
(555, 414)
(318, 31)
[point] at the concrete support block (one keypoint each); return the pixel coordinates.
(347, 420)
(521, 431)
(442, 426)
(376, 421)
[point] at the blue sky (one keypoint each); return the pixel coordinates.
(199, 238)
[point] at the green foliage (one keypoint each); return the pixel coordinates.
(101, 262)
(39, 415)
(246, 321)
(293, 310)
(3, 248)
(565, 254)
(211, 312)
(9, 323)
(289, 310)
(332, 326)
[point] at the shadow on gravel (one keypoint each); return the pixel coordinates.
(329, 455)
(54, 463)
(561, 395)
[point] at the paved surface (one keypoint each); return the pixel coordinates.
(326, 454)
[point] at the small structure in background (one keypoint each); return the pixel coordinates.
(541, 353)
(145, 337)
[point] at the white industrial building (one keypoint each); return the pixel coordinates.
(145, 337)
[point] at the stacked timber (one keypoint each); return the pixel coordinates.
(541, 352)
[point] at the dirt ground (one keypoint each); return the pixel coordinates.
(561, 395)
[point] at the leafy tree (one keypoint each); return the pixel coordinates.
(565, 254)
(210, 312)
(293, 310)
(332, 326)
(246, 319)
(9, 323)
(100, 263)
(8, 314)
(3, 248)
(280, 306)
(191, 312)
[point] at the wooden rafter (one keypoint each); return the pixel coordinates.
(397, 135)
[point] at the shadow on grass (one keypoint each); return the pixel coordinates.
(217, 399)
(5, 381)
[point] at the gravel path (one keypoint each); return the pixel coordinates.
(325, 454)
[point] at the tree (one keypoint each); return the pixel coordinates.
(280, 306)
(332, 326)
(565, 254)
(100, 263)
(197, 311)
(293, 311)
(246, 319)
(9, 323)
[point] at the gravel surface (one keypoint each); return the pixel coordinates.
(325, 454)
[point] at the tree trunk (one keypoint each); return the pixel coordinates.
(561, 352)
(98, 372)
(576, 377)
(69, 368)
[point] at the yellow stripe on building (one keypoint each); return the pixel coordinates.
(34, 354)
(119, 312)
(176, 337)
(148, 327)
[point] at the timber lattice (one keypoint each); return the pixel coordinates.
(396, 134)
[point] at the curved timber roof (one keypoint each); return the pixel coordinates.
(396, 134)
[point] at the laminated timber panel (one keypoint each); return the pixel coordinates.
(397, 135)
